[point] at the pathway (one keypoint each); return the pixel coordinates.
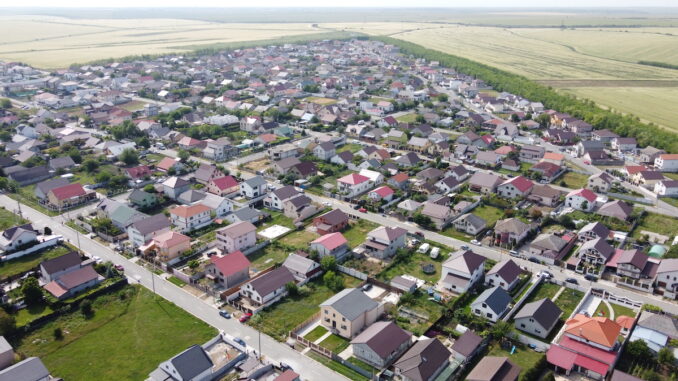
(560, 291)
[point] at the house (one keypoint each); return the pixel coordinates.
(253, 187)
(470, 224)
(268, 288)
(517, 187)
(531, 153)
(349, 312)
(276, 198)
(470, 138)
(440, 215)
(504, 274)
(381, 343)
(593, 231)
(353, 184)
(29, 369)
(418, 144)
(381, 193)
(407, 160)
(624, 144)
(248, 214)
(193, 364)
(221, 206)
(283, 166)
(581, 199)
(191, 196)
(538, 318)
(667, 277)
(510, 165)
(69, 196)
(223, 186)
(142, 231)
(636, 269)
(238, 236)
(488, 159)
(492, 304)
(304, 170)
(174, 186)
(667, 188)
(299, 208)
(52, 269)
(492, 368)
(27, 176)
(332, 244)
(73, 282)
(169, 163)
(648, 154)
(375, 177)
(187, 218)
(142, 199)
(554, 158)
(547, 170)
(207, 172)
(544, 195)
(466, 346)
(549, 247)
(484, 183)
(220, 150)
(648, 179)
(667, 162)
(17, 237)
(596, 251)
(324, 151)
(511, 231)
(61, 163)
(424, 361)
(384, 241)
(303, 269)
(600, 182)
(342, 158)
(406, 284)
(462, 271)
(43, 188)
(448, 184)
(228, 270)
(616, 209)
(168, 246)
(656, 330)
(331, 222)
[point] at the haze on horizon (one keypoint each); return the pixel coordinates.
(541, 4)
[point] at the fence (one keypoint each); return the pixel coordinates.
(352, 272)
(333, 356)
(42, 245)
(522, 300)
(631, 198)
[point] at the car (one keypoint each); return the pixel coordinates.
(418, 233)
(367, 287)
(119, 268)
(96, 258)
(587, 162)
(534, 260)
(285, 367)
(590, 277)
(239, 341)
(356, 207)
(464, 247)
(475, 242)
(327, 203)
(245, 317)
(224, 314)
(514, 253)
(362, 210)
(546, 274)
(571, 280)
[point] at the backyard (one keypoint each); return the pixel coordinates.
(523, 356)
(335, 343)
(124, 324)
(27, 262)
(429, 311)
(656, 223)
(544, 290)
(488, 213)
(278, 320)
(277, 218)
(412, 265)
(568, 301)
(573, 180)
(357, 232)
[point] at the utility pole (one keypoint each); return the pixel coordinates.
(259, 345)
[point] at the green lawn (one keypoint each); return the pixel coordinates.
(602, 310)
(413, 266)
(357, 232)
(353, 147)
(285, 315)
(612, 223)
(568, 300)
(488, 213)
(407, 118)
(268, 256)
(9, 219)
(544, 290)
(363, 365)
(176, 281)
(337, 367)
(671, 201)
(277, 218)
(620, 310)
(299, 239)
(523, 356)
(657, 223)
(26, 195)
(335, 343)
(316, 333)
(125, 325)
(573, 180)
(450, 231)
(27, 315)
(27, 262)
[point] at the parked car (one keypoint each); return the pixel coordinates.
(513, 253)
(119, 268)
(546, 274)
(245, 317)
(224, 314)
(476, 242)
(367, 287)
(590, 277)
(362, 210)
(464, 247)
(534, 260)
(571, 280)
(239, 340)
(327, 203)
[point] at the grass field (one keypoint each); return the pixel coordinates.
(573, 180)
(316, 333)
(657, 223)
(544, 290)
(335, 343)
(523, 356)
(488, 213)
(9, 219)
(109, 343)
(567, 301)
(357, 232)
(30, 261)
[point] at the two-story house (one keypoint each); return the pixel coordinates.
(223, 186)
(349, 312)
(324, 151)
(267, 289)
(667, 278)
(504, 274)
(636, 269)
(353, 184)
(581, 199)
(16, 237)
(462, 271)
(142, 231)
(511, 231)
(492, 304)
(187, 218)
(253, 187)
(381, 343)
(538, 318)
(332, 244)
(277, 197)
(596, 251)
(229, 270)
(331, 222)
(384, 241)
(517, 187)
(238, 236)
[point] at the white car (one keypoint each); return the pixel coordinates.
(327, 203)
(96, 258)
(476, 242)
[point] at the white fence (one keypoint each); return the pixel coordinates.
(49, 242)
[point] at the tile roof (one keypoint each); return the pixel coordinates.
(330, 241)
(467, 343)
(238, 229)
(496, 298)
(506, 269)
(599, 330)
(225, 182)
(68, 191)
(170, 239)
(465, 261)
(231, 263)
(544, 311)
(353, 179)
(384, 338)
(187, 211)
(492, 368)
(585, 193)
(271, 281)
(350, 303)
(421, 361)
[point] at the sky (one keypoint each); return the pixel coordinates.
(343, 3)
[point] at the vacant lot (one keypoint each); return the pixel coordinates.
(357, 232)
(9, 219)
(657, 223)
(573, 180)
(125, 324)
(30, 261)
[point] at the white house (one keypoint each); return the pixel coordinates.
(384, 241)
(268, 288)
(538, 318)
(239, 236)
(253, 187)
(189, 218)
(667, 277)
(375, 177)
(17, 236)
(504, 274)
(462, 270)
(667, 188)
(353, 184)
(581, 199)
(667, 162)
(324, 151)
(492, 304)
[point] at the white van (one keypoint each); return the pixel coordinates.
(435, 252)
(424, 248)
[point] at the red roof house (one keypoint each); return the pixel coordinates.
(228, 270)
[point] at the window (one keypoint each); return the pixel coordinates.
(484, 305)
(478, 311)
(522, 326)
(489, 315)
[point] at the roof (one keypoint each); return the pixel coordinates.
(618, 375)
(353, 179)
(350, 303)
(187, 211)
(288, 375)
(506, 269)
(255, 181)
(167, 163)
(496, 298)
(175, 182)
(585, 193)
(484, 179)
(288, 191)
(387, 233)
(661, 323)
(77, 277)
(30, 369)
(334, 217)
(61, 262)
(383, 191)
(597, 228)
(191, 362)
(491, 368)
(297, 263)
(248, 213)
(272, 281)
(465, 261)
(511, 225)
(68, 191)
(599, 330)
(434, 210)
(152, 224)
(231, 263)
(467, 343)
(225, 182)
(383, 337)
(634, 257)
(544, 311)
(330, 241)
(48, 185)
(668, 265)
(170, 239)
(421, 361)
(238, 229)
(600, 245)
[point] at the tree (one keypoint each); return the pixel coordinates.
(184, 155)
(5, 103)
(639, 351)
(515, 118)
(423, 221)
(90, 165)
(501, 329)
(149, 188)
(328, 263)
(102, 177)
(333, 281)
(292, 289)
(585, 205)
(58, 334)
(442, 97)
(193, 264)
(535, 213)
(31, 291)
(129, 156)
(74, 153)
(86, 308)
(7, 323)
(665, 357)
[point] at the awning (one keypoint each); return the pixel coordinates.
(560, 357)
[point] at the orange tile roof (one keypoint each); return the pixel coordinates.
(188, 211)
(625, 321)
(554, 156)
(599, 330)
(170, 239)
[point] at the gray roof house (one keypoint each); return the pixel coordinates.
(349, 312)
(538, 318)
(492, 304)
(191, 364)
(466, 346)
(41, 189)
(64, 162)
(247, 214)
(504, 274)
(381, 343)
(30, 369)
(302, 268)
(424, 361)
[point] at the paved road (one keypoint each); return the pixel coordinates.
(308, 368)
